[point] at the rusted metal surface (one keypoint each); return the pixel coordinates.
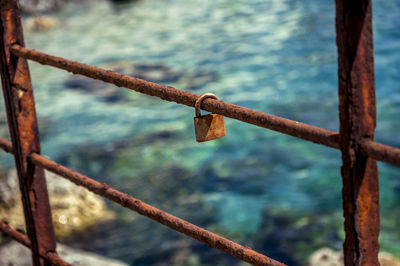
(286, 126)
(6, 145)
(21, 116)
(51, 257)
(14, 234)
(357, 122)
(380, 151)
(208, 127)
(173, 222)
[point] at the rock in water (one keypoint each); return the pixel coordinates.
(73, 208)
(329, 257)
(326, 257)
(41, 23)
(14, 254)
(387, 259)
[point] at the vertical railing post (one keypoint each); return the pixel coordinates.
(21, 116)
(357, 121)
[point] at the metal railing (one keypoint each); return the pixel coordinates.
(357, 110)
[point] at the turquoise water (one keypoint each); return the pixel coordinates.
(275, 193)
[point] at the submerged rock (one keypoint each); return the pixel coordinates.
(13, 254)
(73, 208)
(123, 1)
(290, 236)
(105, 91)
(154, 72)
(329, 257)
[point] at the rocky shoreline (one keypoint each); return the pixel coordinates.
(329, 257)
(15, 254)
(73, 208)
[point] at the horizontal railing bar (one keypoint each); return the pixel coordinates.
(380, 152)
(276, 123)
(173, 222)
(51, 257)
(6, 145)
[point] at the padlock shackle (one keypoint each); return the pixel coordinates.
(199, 100)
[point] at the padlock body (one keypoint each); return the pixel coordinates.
(209, 127)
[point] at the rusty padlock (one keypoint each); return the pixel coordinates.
(208, 127)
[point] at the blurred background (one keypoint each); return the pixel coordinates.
(274, 193)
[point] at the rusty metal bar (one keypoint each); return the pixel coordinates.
(6, 145)
(173, 222)
(380, 151)
(14, 234)
(357, 123)
(276, 123)
(21, 116)
(51, 257)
